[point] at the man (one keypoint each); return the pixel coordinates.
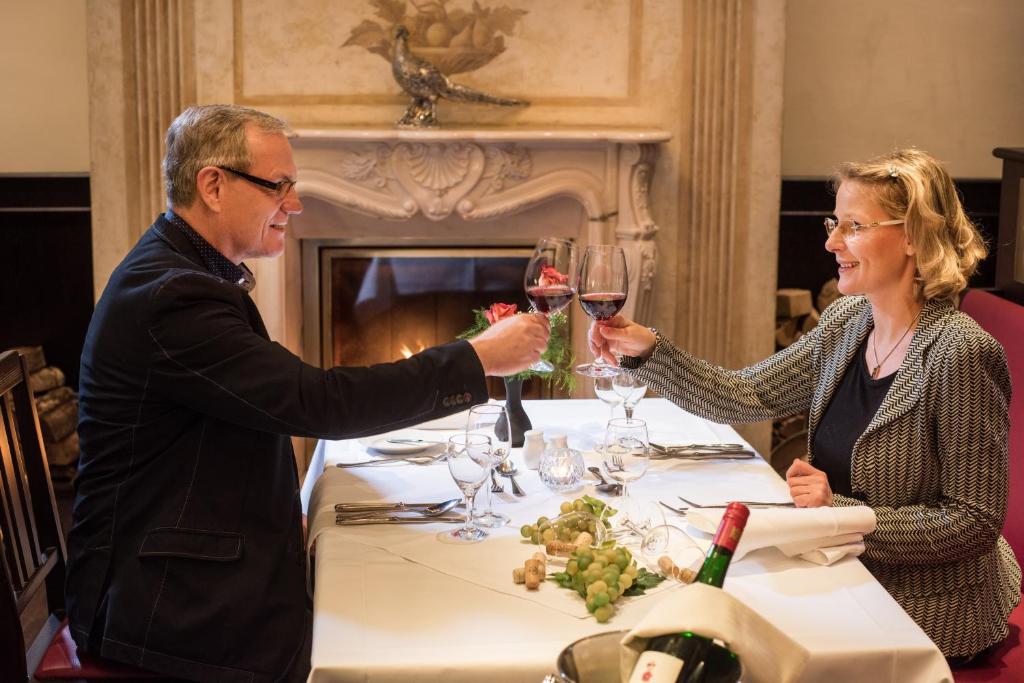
(186, 547)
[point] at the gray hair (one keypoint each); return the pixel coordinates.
(209, 135)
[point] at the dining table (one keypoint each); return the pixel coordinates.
(401, 602)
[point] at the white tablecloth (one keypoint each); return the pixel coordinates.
(394, 604)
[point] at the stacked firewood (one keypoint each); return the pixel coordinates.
(795, 315)
(57, 407)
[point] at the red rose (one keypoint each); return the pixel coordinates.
(500, 312)
(549, 275)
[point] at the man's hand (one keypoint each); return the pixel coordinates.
(513, 344)
(808, 486)
(620, 336)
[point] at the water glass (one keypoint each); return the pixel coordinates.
(482, 421)
(605, 390)
(625, 455)
(630, 390)
(469, 464)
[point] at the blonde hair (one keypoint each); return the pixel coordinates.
(911, 184)
(209, 135)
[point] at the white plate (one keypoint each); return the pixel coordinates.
(381, 443)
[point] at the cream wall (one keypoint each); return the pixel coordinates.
(45, 112)
(867, 76)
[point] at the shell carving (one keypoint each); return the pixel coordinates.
(438, 167)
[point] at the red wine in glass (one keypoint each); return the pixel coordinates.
(550, 280)
(602, 286)
(550, 299)
(602, 305)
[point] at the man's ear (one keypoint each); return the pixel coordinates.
(209, 185)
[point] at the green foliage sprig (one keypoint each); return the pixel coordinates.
(557, 353)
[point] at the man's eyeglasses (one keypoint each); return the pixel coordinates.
(848, 228)
(280, 188)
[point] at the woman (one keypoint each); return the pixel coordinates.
(908, 399)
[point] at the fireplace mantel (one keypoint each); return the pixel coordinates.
(462, 187)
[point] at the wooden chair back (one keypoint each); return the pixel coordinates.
(32, 551)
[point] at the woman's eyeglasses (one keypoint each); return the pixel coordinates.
(280, 188)
(850, 228)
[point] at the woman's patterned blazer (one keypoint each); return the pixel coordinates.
(932, 463)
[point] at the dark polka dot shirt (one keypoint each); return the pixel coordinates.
(215, 262)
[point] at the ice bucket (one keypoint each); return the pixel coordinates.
(594, 659)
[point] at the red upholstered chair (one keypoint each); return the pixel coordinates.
(1004, 320)
(32, 553)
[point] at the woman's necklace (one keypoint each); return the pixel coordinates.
(874, 348)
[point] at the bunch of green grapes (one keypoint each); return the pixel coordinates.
(582, 514)
(600, 576)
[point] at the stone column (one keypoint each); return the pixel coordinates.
(141, 76)
(730, 183)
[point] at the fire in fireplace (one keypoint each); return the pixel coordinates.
(381, 304)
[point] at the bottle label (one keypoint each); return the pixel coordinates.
(656, 667)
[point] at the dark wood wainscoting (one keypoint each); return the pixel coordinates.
(803, 261)
(46, 264)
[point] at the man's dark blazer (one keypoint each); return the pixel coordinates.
(186, 546)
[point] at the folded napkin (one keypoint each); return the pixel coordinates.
(821, 535)
(766, 654)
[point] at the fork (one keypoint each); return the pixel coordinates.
(617, 461)
(744, 502)
(495, 486)
(678, 511)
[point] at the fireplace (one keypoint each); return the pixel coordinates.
(382, 304)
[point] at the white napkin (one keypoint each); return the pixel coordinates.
(766, 654)
(821, 535)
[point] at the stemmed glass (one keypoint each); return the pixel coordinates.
(469, 464)
(625, 456)
(549, 280)
(606, 391)
(603, 286)
(630, 390)
(483, 421)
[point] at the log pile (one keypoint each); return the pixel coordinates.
(57, 407)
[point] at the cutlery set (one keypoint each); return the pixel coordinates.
(748, 503)
(701, 451)
(348, 514)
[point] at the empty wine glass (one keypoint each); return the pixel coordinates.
(549, 280)
(625, 455)
(469, 464)
(605, 390)
(490, 420)
(603, 285)
(630, 390)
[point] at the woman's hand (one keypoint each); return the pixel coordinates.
(808, 486)
(620, 336)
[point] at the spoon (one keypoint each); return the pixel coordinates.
(429, 510)
(605, 486)
(507, 469)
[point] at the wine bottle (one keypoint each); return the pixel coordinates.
(688, 657)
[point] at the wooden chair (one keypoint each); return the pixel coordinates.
(1004, 320)
(32, 551)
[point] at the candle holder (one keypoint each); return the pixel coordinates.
(561, 469)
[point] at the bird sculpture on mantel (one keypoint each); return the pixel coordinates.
(426, 84)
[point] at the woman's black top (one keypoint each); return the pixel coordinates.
(848, 414)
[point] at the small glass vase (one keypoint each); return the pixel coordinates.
(518, 420)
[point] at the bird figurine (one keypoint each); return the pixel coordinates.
(426, 84)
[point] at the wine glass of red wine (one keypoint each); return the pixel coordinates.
(550, 280)
(603, 285)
